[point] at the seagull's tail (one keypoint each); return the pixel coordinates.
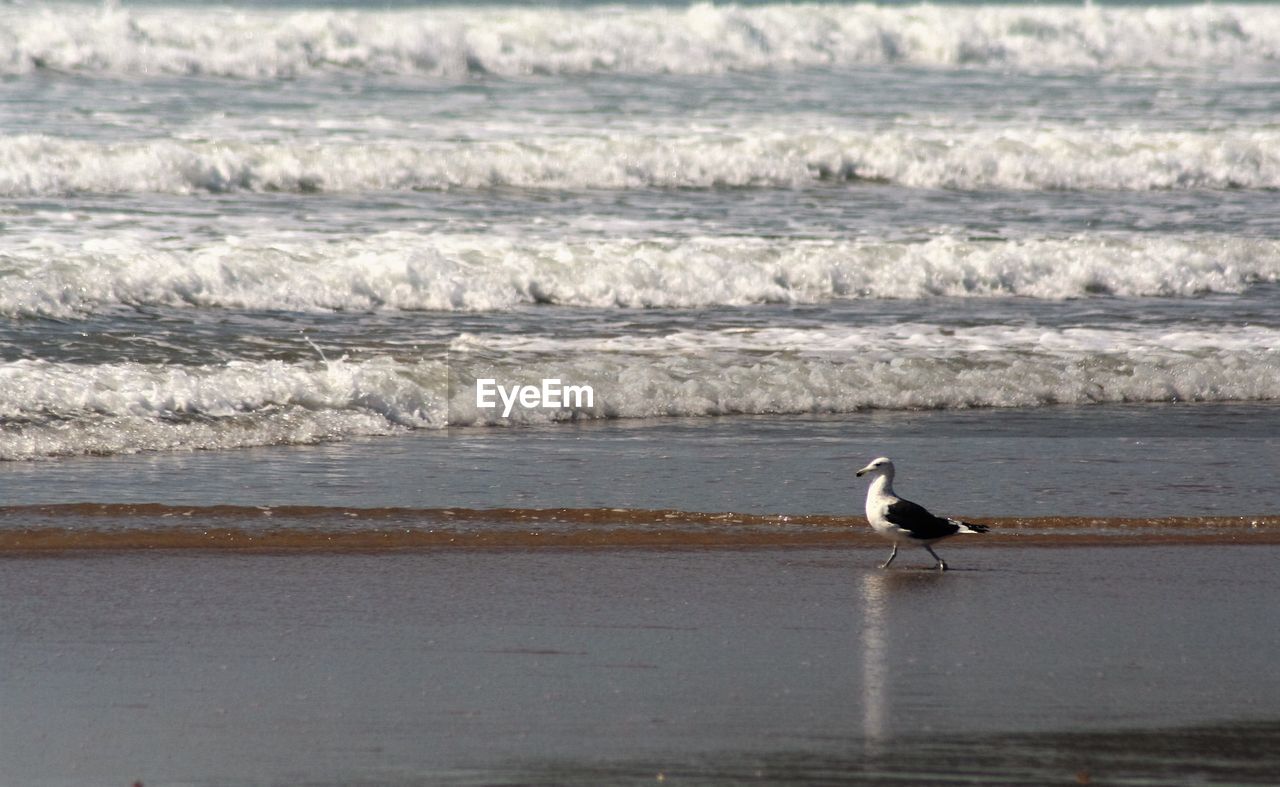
(969, 527)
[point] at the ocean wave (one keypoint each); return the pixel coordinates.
(49, 277)
(702, 38)
(973, 159)
(899, 367)
(59, 409)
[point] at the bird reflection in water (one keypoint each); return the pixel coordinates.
(877, 591)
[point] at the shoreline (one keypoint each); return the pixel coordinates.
(1108, 461)
(320, 530)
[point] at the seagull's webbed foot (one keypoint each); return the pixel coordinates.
(892, 555)
(942, 564)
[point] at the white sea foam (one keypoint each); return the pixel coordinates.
(851, 368)
(1007, 158)
(58, 409)
(897, 342)
(53, 409)
(698, 39)
(458, 272)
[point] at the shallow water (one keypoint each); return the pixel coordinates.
(1107, 461)
(792, 665)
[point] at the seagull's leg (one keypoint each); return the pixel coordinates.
(892, 555)
(942, 565)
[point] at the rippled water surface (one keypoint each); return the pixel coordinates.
(290, 223)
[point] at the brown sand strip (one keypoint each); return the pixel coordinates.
(655, 531)
(602, 516)
(589, 516)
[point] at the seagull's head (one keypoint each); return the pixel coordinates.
(881, 465)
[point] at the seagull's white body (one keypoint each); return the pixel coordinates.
(879, 497)
(902, 521)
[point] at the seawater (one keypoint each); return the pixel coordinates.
(274, 224)
(254, 255)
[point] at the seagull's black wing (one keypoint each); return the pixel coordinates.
(918, 521)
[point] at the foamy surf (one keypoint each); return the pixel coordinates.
(1009, 157)
(66, 409)
(184, 189)
(402, 271)
(702, 38)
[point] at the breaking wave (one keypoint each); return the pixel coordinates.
(973, 159)
(60, 409)
(49, 277)
(702, 38)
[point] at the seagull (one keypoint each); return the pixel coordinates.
(902, 521)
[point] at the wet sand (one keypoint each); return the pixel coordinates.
(53, 529)
(768, 664)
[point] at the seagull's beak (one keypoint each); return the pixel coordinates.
(863, 471)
